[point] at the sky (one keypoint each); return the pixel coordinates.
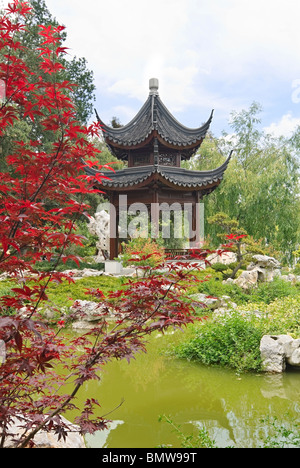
(207, 54)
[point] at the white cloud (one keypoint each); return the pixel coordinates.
(285, 127)
(206, 54)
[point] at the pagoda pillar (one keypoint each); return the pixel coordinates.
(113, 229)
(194, 220)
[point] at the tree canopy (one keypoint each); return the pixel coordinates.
(261, 184)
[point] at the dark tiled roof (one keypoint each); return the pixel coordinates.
(154, 116)
(176, 175)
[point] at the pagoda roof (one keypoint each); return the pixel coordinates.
(154, 120)
(176, 177)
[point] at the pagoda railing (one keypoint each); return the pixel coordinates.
(173, 253)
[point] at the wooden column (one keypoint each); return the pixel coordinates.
(195, 223)
(114, 231)
(154, 213)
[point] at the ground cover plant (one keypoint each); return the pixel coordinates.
(232, 339)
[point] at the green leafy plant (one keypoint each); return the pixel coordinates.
(145, 250)
(276, 289)
(280, 435)
(230, 341)
(199, 440)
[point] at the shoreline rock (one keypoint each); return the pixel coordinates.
(278, 351)
(49, 439)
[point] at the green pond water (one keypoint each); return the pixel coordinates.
(230, 406)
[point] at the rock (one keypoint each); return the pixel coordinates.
(293, 353)
(263, 261)
(90, 314)
(209, 302)
(49, 439)
(247, 279)
(279, 350)
(291, 278)
(85, 272)
(226, 258)
(99, 225)
(267, 267)
(227, 302)
(273, 352)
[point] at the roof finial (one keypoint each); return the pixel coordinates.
(153, 85)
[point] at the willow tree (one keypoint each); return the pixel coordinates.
(261, 184)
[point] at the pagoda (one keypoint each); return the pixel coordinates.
(153, 144)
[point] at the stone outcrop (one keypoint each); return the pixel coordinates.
(90, 314)
(247, 279)
(266, 267)
(262, 269)
(219, 304)
(49, 439)
(279, 350)
(99, 225)
(226, 258)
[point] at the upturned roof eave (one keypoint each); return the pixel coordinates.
(142, 126)
(174, 176)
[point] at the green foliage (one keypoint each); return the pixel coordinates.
(199, 440)
(243, 245)
(231, 341)
(261, 185)
(282, 316)
(76, 70)
(147, 248)
(64, 294)
(280, 435)
(214, 286)
(276, 289)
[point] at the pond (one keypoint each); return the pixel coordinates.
(230, 406)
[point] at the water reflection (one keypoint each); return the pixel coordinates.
(231, 407)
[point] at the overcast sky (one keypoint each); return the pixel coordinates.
(207, 54)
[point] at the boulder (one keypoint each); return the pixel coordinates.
(99, 225)
(89, 312)
(207, 301)
(247, 279)
(279, 350)
(267, 267)
(226, 258)
(273, 352)
(49, 439)
(293, 353)
(263, 261)
(291, 278)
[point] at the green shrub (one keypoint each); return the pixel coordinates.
(284, 316)
(296, 270)
(214, 286)
(281, 316)
(269, 292)
(232, 341)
